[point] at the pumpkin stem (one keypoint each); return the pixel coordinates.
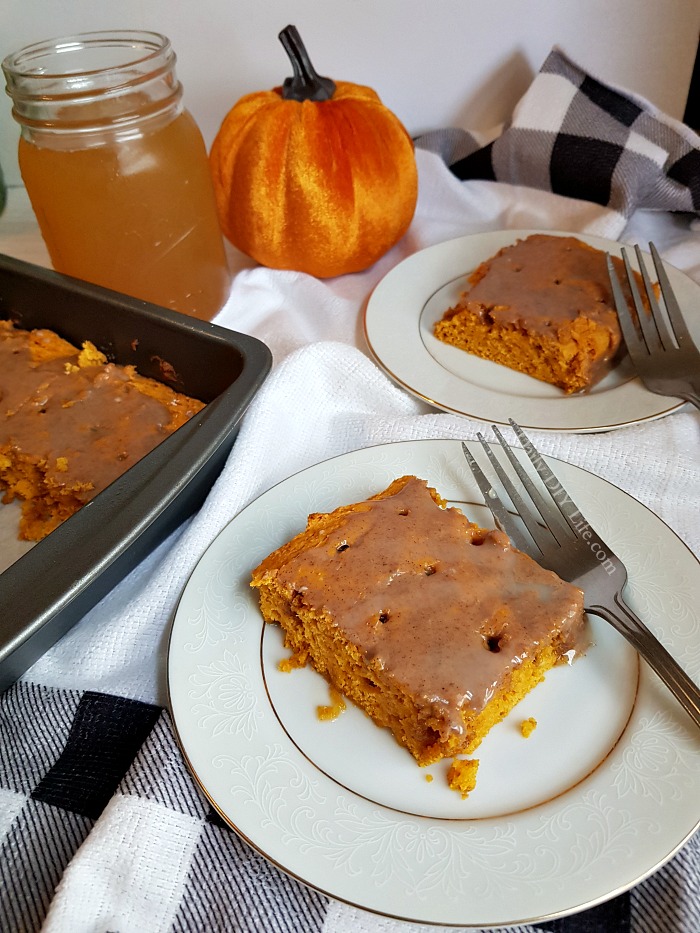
(306, 84)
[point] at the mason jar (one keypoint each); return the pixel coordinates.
(116, 168)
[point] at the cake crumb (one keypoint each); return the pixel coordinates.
(461, 775)
(336, 707)
(527, 727)
(298, 659)
(90, 355)
(61, 464)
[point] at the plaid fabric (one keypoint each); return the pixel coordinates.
(576, 136)
(111, 782)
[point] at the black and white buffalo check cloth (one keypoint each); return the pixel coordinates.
(578, 137)
(112, 781)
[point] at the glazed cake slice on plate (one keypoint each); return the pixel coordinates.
(544, 307)
(432, 625)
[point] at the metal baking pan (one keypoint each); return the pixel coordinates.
(51, 586)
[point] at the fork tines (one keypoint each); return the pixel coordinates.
(571, 548)
(660, 345)
(555, 514)
(653, 328)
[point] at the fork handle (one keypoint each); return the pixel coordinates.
(624, 620)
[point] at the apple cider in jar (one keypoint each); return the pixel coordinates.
(116, 169)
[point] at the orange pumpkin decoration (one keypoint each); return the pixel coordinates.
(315, 176)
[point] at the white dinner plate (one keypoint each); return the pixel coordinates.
(402, 311)
(603, 792)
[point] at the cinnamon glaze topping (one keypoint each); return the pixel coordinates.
(542, 281)
(84, 425)
(432, 600)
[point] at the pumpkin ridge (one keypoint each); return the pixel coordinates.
(267, 219)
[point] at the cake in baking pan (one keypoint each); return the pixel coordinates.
(71, 422)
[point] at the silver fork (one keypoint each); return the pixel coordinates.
(566, 543)
(664, 355)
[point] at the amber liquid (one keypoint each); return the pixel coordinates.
(135, 215)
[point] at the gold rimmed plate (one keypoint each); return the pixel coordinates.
(605, 790)
(398, 325)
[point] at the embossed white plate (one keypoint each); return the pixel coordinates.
(604, 791)
(405, 305)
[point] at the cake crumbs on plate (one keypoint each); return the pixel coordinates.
(461, 775)
(527, 727)
(336, 707)
(293, 662)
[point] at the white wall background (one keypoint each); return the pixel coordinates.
(433, 62)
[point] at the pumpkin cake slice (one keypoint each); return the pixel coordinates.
(544, 307)
(432, 625)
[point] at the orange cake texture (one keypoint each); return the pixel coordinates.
(543, 307)
(71, 423)
(461, 775)
(527, 727)
(432, 625)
